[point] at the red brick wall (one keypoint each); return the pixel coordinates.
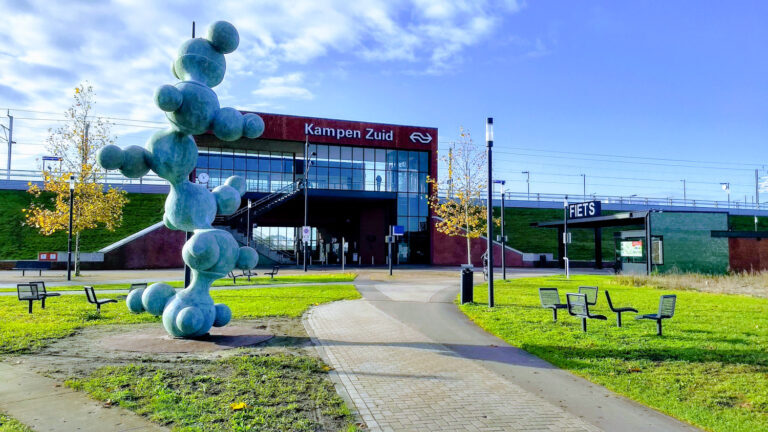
(452, 251)
(748, 254)
(158, 249)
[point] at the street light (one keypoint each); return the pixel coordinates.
(584, 191)
(727, 187)
(685, 197)
(69, 240)
(503, 237)
(528, 182)
(489, 143)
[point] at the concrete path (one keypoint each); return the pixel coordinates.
(45, 405)
(409, 360)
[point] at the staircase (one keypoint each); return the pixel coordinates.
(232, 223)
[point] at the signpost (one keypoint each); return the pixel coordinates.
(584, 209)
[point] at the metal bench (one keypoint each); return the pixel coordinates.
(43, 292)
(666, 311)
(618, 311)
(550, 299)
(234, 277)
(591, 293)
(249, 274)
(142, 285)
(273, 273)
(28, 292)
(32, 265)
(579, 307)
(90, 294)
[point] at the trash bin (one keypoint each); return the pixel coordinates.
(466, 284)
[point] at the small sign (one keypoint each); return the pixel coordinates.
(584, 210)
(203, 178)
(398, 230)
(306, 234)
(389, 239)
(47, 256)
(567, 238)
(52, 158)
(632, 248)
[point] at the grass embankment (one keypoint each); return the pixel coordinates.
(264, 393)
(260, 280)
(524, 237)
(8, 424)
(18, 241)
(710, 368)
(21, 332)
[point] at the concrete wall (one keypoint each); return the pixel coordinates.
(688, 244)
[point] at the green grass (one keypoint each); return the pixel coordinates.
(21, 332)
(8, 424)
(260, 280)
(281, 392)
(710, 368)
(18, 241)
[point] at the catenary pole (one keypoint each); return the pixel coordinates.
(10, 144)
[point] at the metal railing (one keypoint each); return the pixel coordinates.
(629, 200)
(109, 177)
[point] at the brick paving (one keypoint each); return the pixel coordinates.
(400, 380)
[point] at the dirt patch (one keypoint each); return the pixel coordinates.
(83, 352)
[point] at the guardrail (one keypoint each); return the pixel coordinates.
(109, 177)
(628, 200)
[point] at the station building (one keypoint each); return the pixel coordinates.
(362, 178)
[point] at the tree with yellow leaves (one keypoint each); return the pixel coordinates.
(457, 200)
(76, 142)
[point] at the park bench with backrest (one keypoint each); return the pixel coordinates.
(28, 292)
(90, 295)
(273, 273)
(666, 311)
(550, 299)
(134, 286)
(43, 292)
(616, 310)
(249, 274)
(32, 265)
(590, 292)
(578, 306)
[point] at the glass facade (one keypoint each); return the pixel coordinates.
(333, 167)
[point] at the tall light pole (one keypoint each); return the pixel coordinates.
(9, 138)
(727, 187)
(305, 183)
(489, 143)
(527, 183)
(584, 180)
(69, 239)
(685, 197)
(503, 237)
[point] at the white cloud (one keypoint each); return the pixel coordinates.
(286, 86)
(125, 47)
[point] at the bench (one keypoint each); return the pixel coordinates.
(248, 274)
(591, 293)
(666, 311)
(550, 299)
(273, 273)
(234, 277)
(33, 291)
(90, 294)
(43, 292)
(578, 306)
(32, 265)
(142, 285)
(618, 311)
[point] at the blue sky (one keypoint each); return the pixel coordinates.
(574, 86)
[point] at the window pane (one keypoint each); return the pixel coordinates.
(346, 154)
(413, 161)
(253, 163)
(240, 161)
(264, 163)
(424, 162)
(423, 205)
(322, 152)
(402, 181)
(202, 160)
(413, 204)
(334, 155)
(357, 154)
(227, 161)
(214, 161)
(402, 160)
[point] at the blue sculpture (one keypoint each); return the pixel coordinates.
(192, 108)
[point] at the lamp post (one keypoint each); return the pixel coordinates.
(527, 184)
(489, 143)
(69, 239)
(503, 236)
(305, 182)
(584, 191)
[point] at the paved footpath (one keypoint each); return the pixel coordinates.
(409, 360)
(44, 404)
